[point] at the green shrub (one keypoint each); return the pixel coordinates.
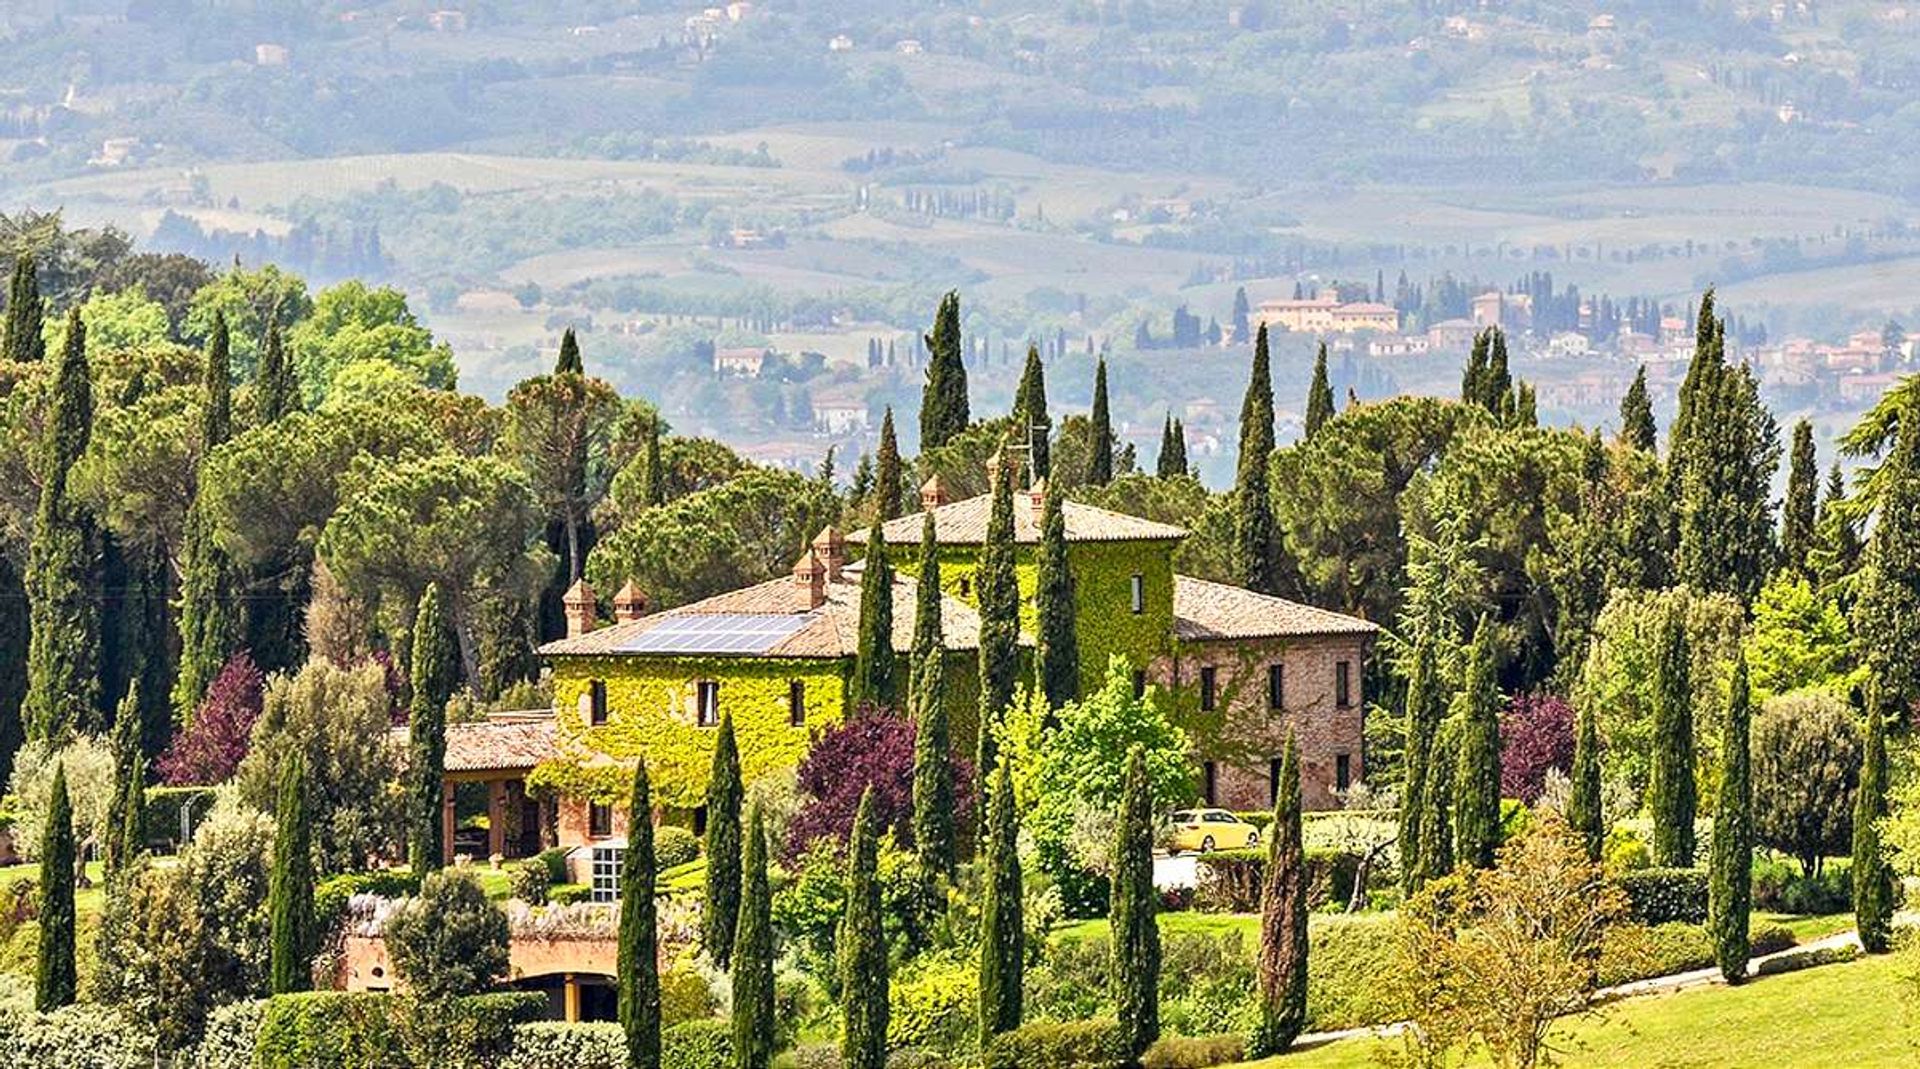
(1625, 850)
(1663, 896)
(567, 894)
(528, 882)
(1228, 881)
(1207, 984)
(935, 1003)
(1807, 959)
(1348, 958)
(1829, 892)
(1259, 818)
(1195, 1052)
(1632, 952)
(674, 846)
(704, 1044)
(359, 1030)
(1090, 1044)
(555, 859)
(77, 1037)
(330, 896)
(232, 1033)
(564, 1045)
(1070, 983)
(684, 995)
(1770, 939)
(163, 811)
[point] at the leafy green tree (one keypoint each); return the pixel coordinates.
(875, 668)
(862, 947)
(1256, 537)
(753, 1009)
(451, 941)
(1887, 615)
(250, 301)
(1673, 799)
(725, 792)
(1003, 950)
(1100, 463)
(56, 980)
(943, 403)
(998, 591)
(21, 341)
(1476, 800)
(557, 433)
(276, 393)
(1799, 640)
(1319, 394)
(433, 679)
(63, 557)
(1806, 772)
(352, 324)
(1058, 632)
(1030, 415)
(1135, 970)
(1799, 511)
(1586, 812)
(290, 900)
(1730, 894)
(569, 362)
(889, 476)
(639, 965)
(1636, 415)
(1873, 887)
(1283, 918)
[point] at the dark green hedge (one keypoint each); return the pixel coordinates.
(341, 1030)
(1663, 896)
(1228, 881)
(1092, 1044)
(702, 1044)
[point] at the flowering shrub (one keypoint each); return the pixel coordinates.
(211, 747)
(874, 748)
(1536, 735)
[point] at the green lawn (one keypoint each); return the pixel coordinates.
(1840, 1015)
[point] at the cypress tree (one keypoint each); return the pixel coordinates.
(1241, 316)
(1420, 793)
(887, 476)
(862, 946)
(290, 885)
(22, 341)
(1003, 949)
(656, 488)
(277, 393)
(1256, 541)
(943, 402)
(216, 382)
(1672, 788)
(207, 624)
(1497, 387)
(753, 1028)
(1319, 394)
(1476, 797)
(933, 794)
(1030, 412)
(998, 591)
(63, 559)
(725, 792)
(432, 680)
(1179, 465)
(1100, 464)
(1473, 380)
(926, 594)
(1283, 919)
(1730, 895)
(1721, 459)
(875, 675)
(569, 362)
(638, 961)
(1136, 933)
(1585, 811)
(1887, 615)
(1837, 547)
(124, 837)
(1797, 512)
(1058, 635)
(1172, 460)
(56, 980)
(1873, 887)
(1636, 415)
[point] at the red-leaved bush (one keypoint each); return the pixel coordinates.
(210, 748)
(874, 748)
(1536, 734)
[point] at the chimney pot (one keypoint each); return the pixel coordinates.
(579, 606)
(810, 575)
(831, 547)
(933, 493)
(630, 604)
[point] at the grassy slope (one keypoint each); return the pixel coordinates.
(1842, 1015)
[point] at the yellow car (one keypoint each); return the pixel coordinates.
(1207, 830)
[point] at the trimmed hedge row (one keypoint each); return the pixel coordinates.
(1091, 1044)
(1228, 881)
(559, 1045)
(77, 1037)
(1663, 896)
(360, 1030)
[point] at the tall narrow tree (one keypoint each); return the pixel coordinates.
(1730, 893)
(1100, 463)
(875, 671)
(943, 402)
(1476, 795)
(753, 1023)
(56, 980)
(1873, 886)
(926, 593)
(216, 384)
(22, 341)
(862, 946)
(1283, 918)
(1887, 614)
(434, 670)
(1721, 459)
(1256, 556)
(1136, 930)
(1319, 394)
(1241, 322)
(997, 589)
(1030, 415)
(1003, 950)
(655, 492)
(276, 392)
(1799, 511)
(124, 837)
(1420, 793)
(887, 474)
(208, 621)
(1837, 547)
(1636, 415)
(725, 792)
(1673, 798)
(638, 960)
(1172, 460)
(1179, 464)
(569, 362)
(63, 559)
(1585, 811)
(933, 793)
(1058, 631)
(290, 885)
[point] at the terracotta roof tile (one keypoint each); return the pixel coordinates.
(1204, 611)
(499, 744)
(965, 523)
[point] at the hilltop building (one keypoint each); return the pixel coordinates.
(1325, 315)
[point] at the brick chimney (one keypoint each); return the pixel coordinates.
(933, 493)
(1038, 495)
(832, 551)
(810, 577)
(630, 604)
(580, 606)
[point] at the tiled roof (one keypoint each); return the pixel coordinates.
(965, 523)
(499, 744)
(1204, 610)
(831, 630)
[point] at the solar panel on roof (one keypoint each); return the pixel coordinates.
(717, 633)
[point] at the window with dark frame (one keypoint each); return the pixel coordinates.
(1137, 593)
(1343, 684)
(706, 696)
(1276, 686)
(796, 703)
(597, 702)
(599, 820)
(1208, 677)
(1342, 772)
